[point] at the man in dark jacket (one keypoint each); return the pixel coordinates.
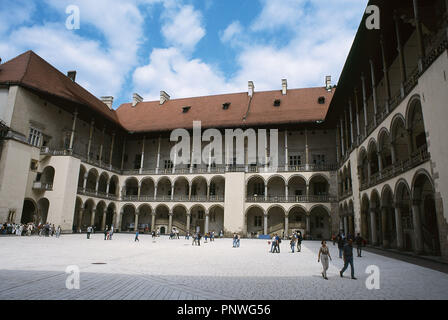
(348, 259)
(299, 241)
(341, 243)
(359, 241)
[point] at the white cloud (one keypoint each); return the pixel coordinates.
(231, 32)
(170, 70)
(183, 29)
(279, 13)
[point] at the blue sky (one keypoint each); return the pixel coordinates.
(185, 47)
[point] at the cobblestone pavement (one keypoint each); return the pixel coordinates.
(34, 268)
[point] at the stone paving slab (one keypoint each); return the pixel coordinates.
(34, 268)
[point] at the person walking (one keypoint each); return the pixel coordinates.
(235, 238)
(348, 259)
(105, 233)
(273, 243)
(341, 243)
(136, 236)
(292, 243)
(359, 242)
(199, 238)
(111, 232)
(238, 240)
(58, 232)
(299, 241)
(324, 255)
(89, 230)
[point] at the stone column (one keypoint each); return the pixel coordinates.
(347, 136)
(136, 221)
(92, 218)
(286, 192)
(421, 45)
(380, 163)
(155, 193)
(188, 221)
(123, 153)
(86, 175)
(89, 146)
(265, 226)
(170, 221)
(101, 145)
(338, 157)
(103, 220)
(308, 226)
(373, 226)
(286, 151)
(112, 143)
(392, 151)
(342, 137)
(358, 130)
(80, 216)
(384, 211)
(153, 221)
(307, 151)
(172, 192)
(351, 121)
(97, 185)
(158, 155)
(286, 226)
(120, 219)
(72, 134)
(108, 186)
(400, 54)
(266, 192)
(114, 219)
(398, 226)
(143, 155)
(207, 218)
(364, 102)
(386, 73)
(417, 226)
(139, 189)
(375, 103)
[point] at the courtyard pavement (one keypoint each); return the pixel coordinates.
(34, 268)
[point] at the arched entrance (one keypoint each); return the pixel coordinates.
(254, 221)
(320, 223)
(28, 212)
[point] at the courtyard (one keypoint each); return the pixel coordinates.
(35, 268)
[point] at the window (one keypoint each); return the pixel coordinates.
(258, 221)
(200, 215)
(33, 165)
(298, 192)
(277, 103)
(35, 137)
(212, 217)
(168, 164)
(295, 160)
(226, 105)
(318, 159)
(321, 100)
(297, 218)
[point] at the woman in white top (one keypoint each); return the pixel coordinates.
(324, 254)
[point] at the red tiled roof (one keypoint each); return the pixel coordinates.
(30, 70)
(298, 105)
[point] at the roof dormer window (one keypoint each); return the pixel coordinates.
(225, 106)
(277, 103)
(185, 109)
(321, 100)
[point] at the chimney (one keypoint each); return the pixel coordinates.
(251, 90)
(284, 86)
(164, 97)
(108, 101)
(136, 98)
(72, 75)
(328, 83)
